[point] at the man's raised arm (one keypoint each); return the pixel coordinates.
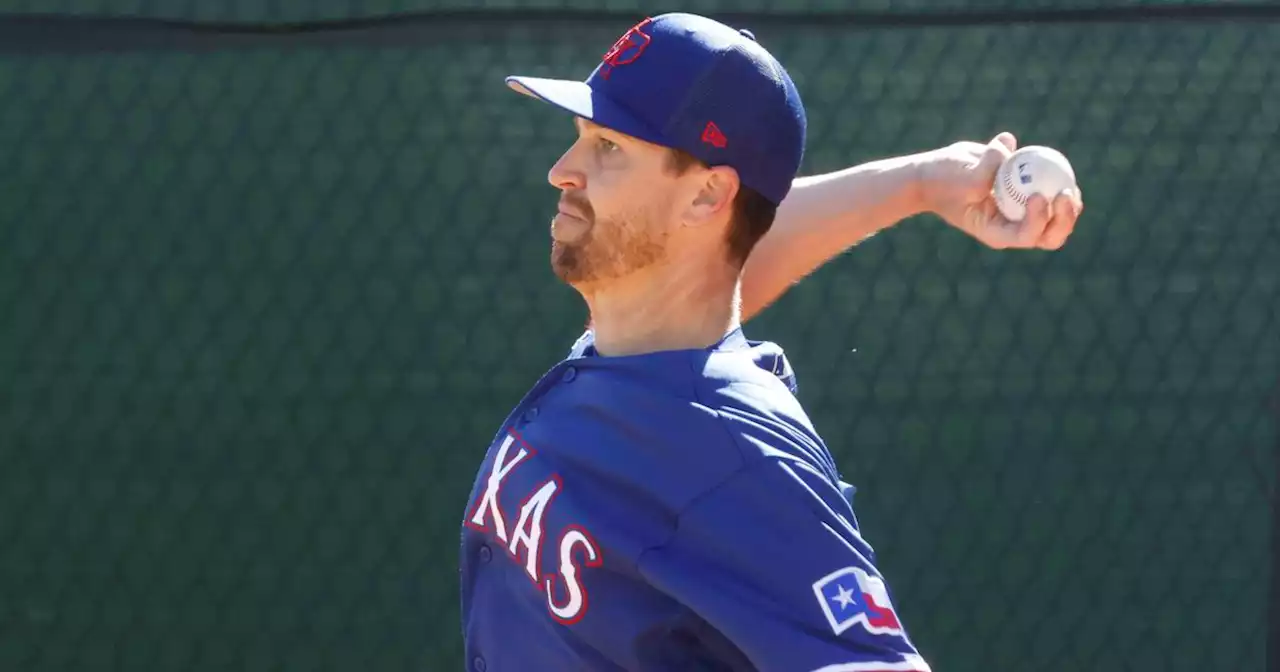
(826, 214)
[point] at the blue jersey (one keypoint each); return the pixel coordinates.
(670, 511)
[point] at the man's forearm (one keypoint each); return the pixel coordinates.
(824, 215)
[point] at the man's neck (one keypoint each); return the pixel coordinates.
(663, 308)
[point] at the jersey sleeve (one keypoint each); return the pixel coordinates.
(772, 561)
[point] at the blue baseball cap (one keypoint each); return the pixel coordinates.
(692, 83)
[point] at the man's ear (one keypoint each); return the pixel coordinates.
(713, 195)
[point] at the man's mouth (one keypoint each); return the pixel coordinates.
(571, 213)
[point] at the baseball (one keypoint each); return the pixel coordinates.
(1031, 170)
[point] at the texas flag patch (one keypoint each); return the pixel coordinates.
(851, 596)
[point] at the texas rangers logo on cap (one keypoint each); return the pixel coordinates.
(851, 596)
(627, 49)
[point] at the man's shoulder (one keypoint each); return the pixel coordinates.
(753, 392)
(707, 413)
(760, 363)
(741, 393)
(753, 376)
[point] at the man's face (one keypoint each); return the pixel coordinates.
(618, 206)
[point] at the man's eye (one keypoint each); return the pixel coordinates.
(607, 145)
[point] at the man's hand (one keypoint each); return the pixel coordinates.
(956, 182)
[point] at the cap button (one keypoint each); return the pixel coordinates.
(748, 34)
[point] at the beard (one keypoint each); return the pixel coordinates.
(610, 248)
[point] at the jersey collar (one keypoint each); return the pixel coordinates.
(733, 340)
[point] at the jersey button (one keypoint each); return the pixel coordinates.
(569, 374)
(478, 664)
(485, 554)
(530, 414)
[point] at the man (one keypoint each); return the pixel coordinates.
(660, 500)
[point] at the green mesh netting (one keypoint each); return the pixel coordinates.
(309, 10)
(264, 305)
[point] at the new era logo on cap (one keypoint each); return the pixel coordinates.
(691, 83)
(712, 135)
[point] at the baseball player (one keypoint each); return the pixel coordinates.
(659, 500)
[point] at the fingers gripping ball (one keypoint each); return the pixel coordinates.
(1028, 171)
